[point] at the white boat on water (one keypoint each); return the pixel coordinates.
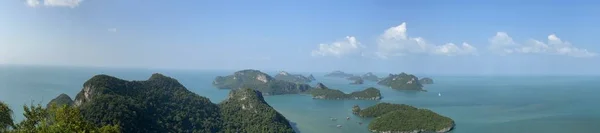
(439, 94)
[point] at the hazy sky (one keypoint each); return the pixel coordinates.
(424, 36)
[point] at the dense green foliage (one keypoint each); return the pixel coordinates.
(383, 108)
(162, 104)
(260, 81)
(159, 104)
(338, 74)
(294, 78)
(328, 94)
(402, 81)
(405, 118)
(54, 119)
(246, 111)
(323, 92)
(367, 93)
(62, 99)
(421, 119)
(426, 81)
(6, 121)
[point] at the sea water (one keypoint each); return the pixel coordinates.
(490, 104)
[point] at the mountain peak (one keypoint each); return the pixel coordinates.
(321, 86)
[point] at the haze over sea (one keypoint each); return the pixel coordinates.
(491, 104)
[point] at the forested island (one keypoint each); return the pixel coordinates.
(426, 80)
(358, 81)
(323, 92)
(401, 118)
(62, 99)
(159, 104)
(402, 81)
(338, 74)
(370, 77)
(295, 78)
(260, 81)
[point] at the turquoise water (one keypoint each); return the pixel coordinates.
(503, 104)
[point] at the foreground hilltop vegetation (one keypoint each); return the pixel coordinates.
(260, 81)
(53, 119)
(162, 104)
(401, 118)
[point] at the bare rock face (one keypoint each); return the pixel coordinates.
(262, 78)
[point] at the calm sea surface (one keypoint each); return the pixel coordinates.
(478, 104)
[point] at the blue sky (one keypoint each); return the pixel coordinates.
(433, 37)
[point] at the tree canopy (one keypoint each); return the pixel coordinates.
(404, 118)
(402, 81)
(54, 119)
(323, 92)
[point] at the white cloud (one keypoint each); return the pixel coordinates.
(500, 41)
(395, 42)
(32, 3)
(451, 49)
(54, 3)
(348, 45)
(112, 30)
(504, 44)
